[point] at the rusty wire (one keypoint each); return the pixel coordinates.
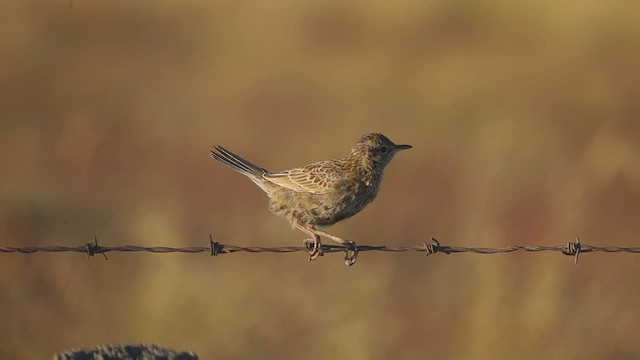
(574, 249)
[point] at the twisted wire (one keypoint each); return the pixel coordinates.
(574, 249)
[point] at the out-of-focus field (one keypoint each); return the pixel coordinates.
(525, 122)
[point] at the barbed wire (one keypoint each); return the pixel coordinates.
(574, 249)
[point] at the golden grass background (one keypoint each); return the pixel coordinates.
(524, 118)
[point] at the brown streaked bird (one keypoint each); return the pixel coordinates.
(322, 193)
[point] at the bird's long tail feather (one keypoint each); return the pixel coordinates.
(237, 163)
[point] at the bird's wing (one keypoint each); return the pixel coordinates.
(317, 178)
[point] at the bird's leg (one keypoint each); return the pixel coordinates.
(313, 245)
(350, 247)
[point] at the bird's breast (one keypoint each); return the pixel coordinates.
(347, 198)
(355, 195)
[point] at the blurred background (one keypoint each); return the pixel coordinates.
(524, 117)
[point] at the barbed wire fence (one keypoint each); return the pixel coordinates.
(215, 248)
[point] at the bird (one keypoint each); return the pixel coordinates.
(322, 193)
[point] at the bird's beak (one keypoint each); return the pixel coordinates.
(403, 147)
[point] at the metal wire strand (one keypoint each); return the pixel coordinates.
(574, 249)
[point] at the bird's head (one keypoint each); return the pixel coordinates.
(377, 149)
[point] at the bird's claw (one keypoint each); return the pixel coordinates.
(350, 253)
(314, 248)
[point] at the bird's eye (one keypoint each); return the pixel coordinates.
(384, 149)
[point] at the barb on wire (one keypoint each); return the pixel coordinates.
(215, 248)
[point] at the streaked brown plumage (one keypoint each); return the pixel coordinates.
(325, 192)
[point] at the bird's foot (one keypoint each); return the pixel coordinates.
(350, 252)
(314, 247)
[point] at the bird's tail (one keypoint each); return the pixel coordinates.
(235, 162)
